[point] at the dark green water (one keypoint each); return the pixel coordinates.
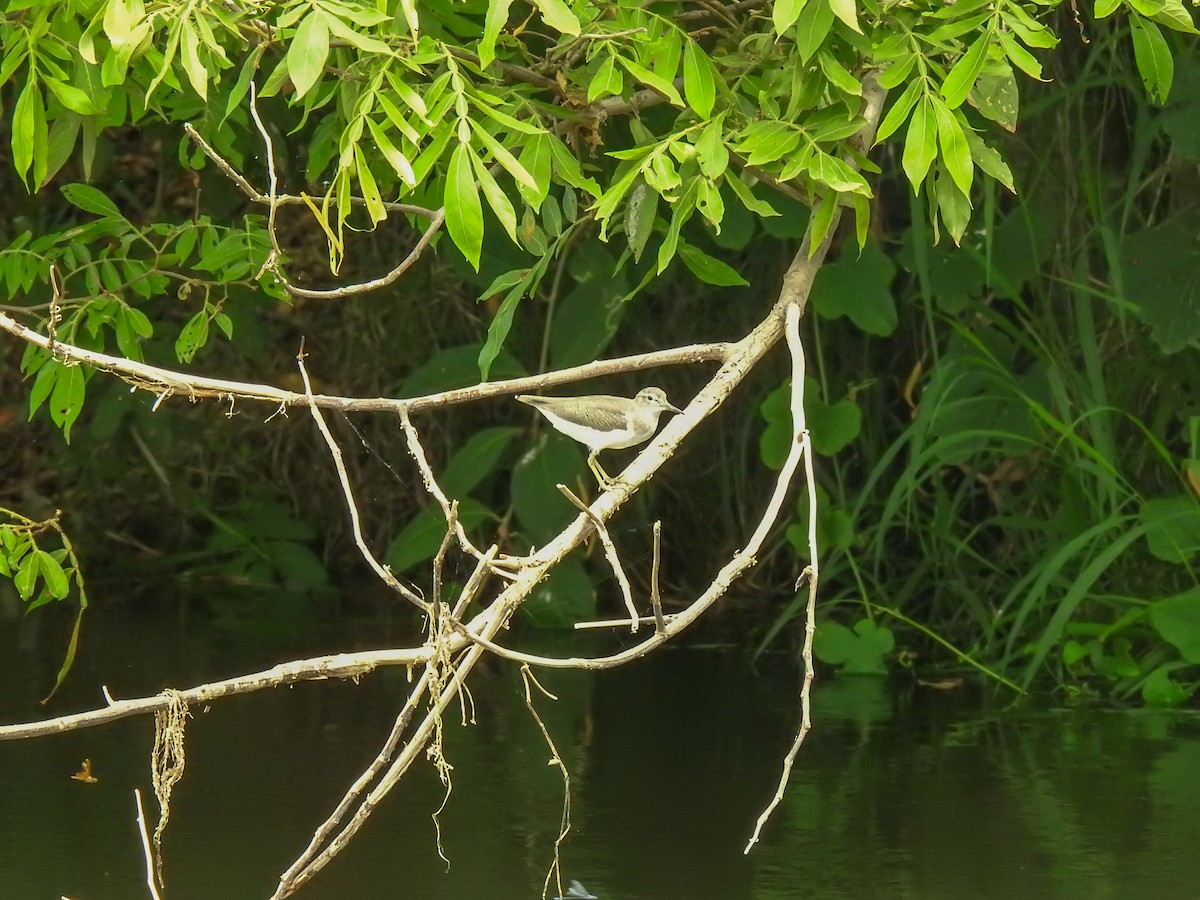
(897, 792)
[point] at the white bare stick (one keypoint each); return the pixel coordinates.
(141, 820)
(610, 553)
(272, 182)
(417, 452)
(167, 382)
(660, 624)
(555, 870)
(340, 665)
(801, 446)
(384, 573)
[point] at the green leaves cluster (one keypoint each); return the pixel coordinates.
(101, 277)
(488, 108)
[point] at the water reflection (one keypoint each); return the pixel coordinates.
(897, 793)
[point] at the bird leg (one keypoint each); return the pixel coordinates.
(606, 481)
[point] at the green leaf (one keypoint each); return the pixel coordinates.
(1020, 57)
(66, 400)
(607, 81)
(90, 199)
(711, 152)
(1174, 15)
(72, 97)
(464, 212)
(844, 10)
(785, 12)
(860, 289)
(837, 74)
(812, 26)
(568, 167)
(498, 329)
(24, 126)
(752, 203)
(475, 460)
(1177, 620)
(858, 652)
(989, 160)
(707, 268)
(496, 198)
(956, 154)
(698, 81)
(421, 538)
(897, 72)
(920, 146)
(43, 384)
(766, 141)
(1153, 57)
(506, 159)
(587, 318)
(710, 202)
(118, 22)
(456, 367)
(1105, 8)
(565, 596)
(493, 24)
(681, 211)
(53, 574)
(1159, 689)
(368, 188)
(899, 112)
(192, 337)
(822, 221)
(193, 67)
(962, 77)
(355, 38)
(307, 52)
(538, 506)
(640, 212)
(1161, 273)
(832, 426)
(536, 160)
(1172, 528)
(996, 96)
(834, 173)
(397, 160)
(648, 78)
(952, 204)
(26, 578)
(558, 16)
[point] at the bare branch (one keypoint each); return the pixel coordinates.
(168, 382)
(801, 448)
(339, 665)
(610, 553)
(335, 452)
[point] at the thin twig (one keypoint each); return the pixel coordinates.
(660, 625)
(321, 668)
(555, 870)
(167, 382)
(417, 452)
(335, 453)
(141, 820)
(801, 447)
(610, 553)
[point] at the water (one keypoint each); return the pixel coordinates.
(898, 792)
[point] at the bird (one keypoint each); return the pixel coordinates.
(603, 422)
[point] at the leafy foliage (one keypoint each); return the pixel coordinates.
(668, 133)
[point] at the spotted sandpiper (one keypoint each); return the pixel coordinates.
(602, 422)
